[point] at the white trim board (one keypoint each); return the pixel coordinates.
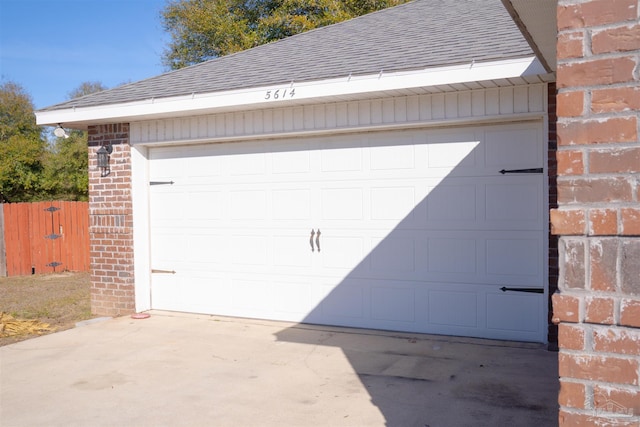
(346, 88)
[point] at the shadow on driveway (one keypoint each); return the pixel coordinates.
(428, 380)
(189, 370)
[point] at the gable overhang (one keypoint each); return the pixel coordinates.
(468, 76)
(537, 21)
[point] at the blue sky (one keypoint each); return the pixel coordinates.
(50, 47)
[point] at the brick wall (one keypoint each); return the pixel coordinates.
(597, 307)
(110, 224)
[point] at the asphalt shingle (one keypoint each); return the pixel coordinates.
(415, 35)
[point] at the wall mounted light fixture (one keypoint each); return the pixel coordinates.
(103, 159)
(60, 132)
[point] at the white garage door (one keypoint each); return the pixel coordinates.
(406, 230)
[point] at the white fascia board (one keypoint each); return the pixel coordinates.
(293, 93)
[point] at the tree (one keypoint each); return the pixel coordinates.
(205, 29)
(22, 147)
(66, 175)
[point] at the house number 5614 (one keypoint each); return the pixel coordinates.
(280, 93)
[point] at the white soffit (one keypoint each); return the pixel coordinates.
(347, 88)
(538, 22)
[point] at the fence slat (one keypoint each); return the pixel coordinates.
(28, 249)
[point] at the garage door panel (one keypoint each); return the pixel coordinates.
(453, 308)
(396, 304)
(453, 204)
(392, 157)
(342, 203)
(515, 258)
(246, 164)
(451, 255)
(514, 311)
(291, 162)
(291, 204)
(393, 255)
(458, 152)
(341, 252)
(343, 302)
(419, 231)
(516, 202)
(345, 159)
(248, 204)
(204, 205)
(513, 149)
(250, 250)
(404, 203)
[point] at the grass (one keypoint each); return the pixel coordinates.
(60, 300)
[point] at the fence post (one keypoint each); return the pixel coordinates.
(3, 253)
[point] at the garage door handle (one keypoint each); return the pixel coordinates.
(313, 233)
(318, 240)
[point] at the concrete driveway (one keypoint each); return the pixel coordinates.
(186, 370)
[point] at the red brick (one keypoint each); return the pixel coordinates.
(573, 272)
(571, 394)
(566, 308)
(620, 39)
(599, 310)
(570, 162)
(569, 419)
(617, 340)
(567, 222)
(630, 267)
(596, 12)
(630, 312)
(594, 190)
(616, 160)
(611, 130)
(596, 72)
(570, 104)
(615, 99)
(598, 368)
(570, 45)
(604, 264)
(570, 337)
(623, 399)
(603, 222)
(630, 220)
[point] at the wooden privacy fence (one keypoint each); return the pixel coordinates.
(45, 237)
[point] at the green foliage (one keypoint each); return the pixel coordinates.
(22, 147)
(32, 168)
(205, 29)
(66, 174)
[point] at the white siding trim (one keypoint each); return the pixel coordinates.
(141, 236)
(487, 105)
(347, 87)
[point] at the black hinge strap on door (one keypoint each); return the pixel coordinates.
(533, 170)
(161, 183)
(529, 290)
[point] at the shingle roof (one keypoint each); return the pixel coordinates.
(415, 35)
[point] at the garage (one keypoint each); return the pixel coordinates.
(386, 172)
(409, 230)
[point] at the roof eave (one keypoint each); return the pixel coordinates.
(307, 93)
(537, 21)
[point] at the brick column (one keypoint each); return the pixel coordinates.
(110, 223)
(597, 307)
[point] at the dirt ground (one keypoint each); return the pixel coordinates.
(60, 299)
